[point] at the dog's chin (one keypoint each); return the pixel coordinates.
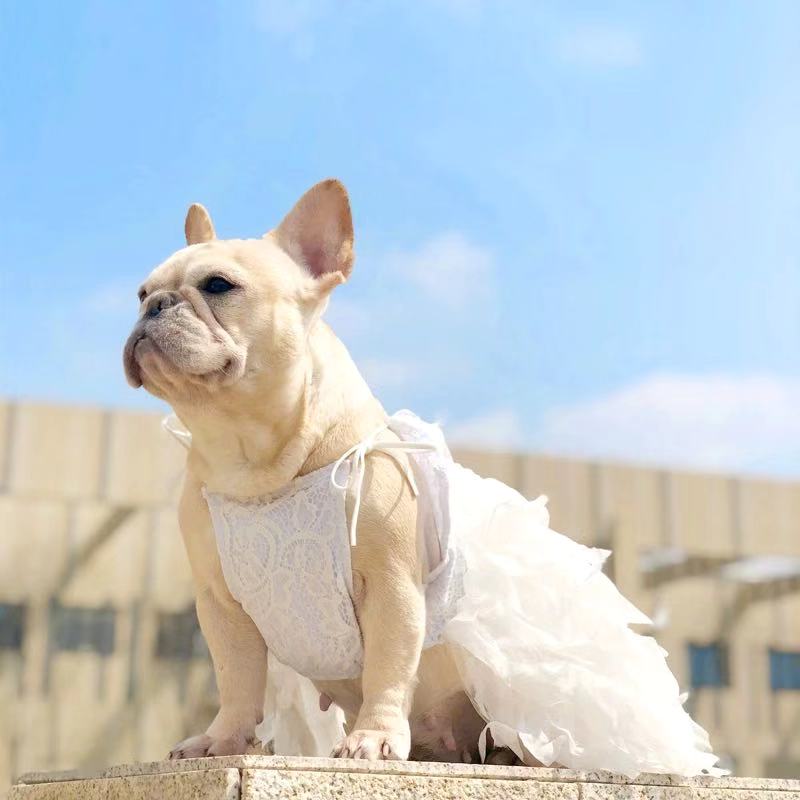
(150, 366)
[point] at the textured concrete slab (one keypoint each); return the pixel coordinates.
(308, 785)
(595, 791)
(211, 784)
(272, 777)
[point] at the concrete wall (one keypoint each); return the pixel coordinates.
(100, 663)
(87, 523)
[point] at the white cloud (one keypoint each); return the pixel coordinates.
(715, 422)
(600, 46)
(387, 373)
(500, 429)
(431, 288)
(449, 268)
(349, 318)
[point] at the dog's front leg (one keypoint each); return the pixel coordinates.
(237, 648)
(391, 612)
(393, 628)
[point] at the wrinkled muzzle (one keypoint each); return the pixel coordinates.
(177, 341)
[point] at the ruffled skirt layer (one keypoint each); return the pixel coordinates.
(544, 647)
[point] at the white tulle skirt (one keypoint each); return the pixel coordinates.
(544, 648)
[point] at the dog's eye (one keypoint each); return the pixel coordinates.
(217, 285)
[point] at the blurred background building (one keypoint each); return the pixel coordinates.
(101, 659)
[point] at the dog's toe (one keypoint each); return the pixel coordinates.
(373, 746)
(193, 747)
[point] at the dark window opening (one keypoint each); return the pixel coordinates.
(784, 670)
(179, 636)
(12, 626)
(83, 629)
(708, 665)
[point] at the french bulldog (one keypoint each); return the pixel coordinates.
(230, 333)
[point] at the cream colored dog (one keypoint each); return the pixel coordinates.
(230, 334)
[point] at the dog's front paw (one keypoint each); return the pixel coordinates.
(374, 746)
(205, 745)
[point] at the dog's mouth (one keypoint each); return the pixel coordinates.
(133, 372)
(149, 363)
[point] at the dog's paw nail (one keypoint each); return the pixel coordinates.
(373, 746)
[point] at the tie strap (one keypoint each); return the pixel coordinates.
(357, 457)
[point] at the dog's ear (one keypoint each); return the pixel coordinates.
(318, 234)
(198, 226)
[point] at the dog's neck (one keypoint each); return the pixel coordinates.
(254, 439)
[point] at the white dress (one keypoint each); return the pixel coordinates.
(541, 636)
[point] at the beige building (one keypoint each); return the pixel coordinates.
(101, 660)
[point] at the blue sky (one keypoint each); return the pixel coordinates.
(578, 225)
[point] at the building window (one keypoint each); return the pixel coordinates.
(83, 629)
(708, 665)
(784, 670)
(179, 636)
(12, 624)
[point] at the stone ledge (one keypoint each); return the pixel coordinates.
(272, 777)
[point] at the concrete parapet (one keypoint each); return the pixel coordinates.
(272, 777)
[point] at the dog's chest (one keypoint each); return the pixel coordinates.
(286, 559)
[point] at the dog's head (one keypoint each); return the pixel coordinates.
(224, 313)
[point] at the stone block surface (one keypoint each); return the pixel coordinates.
(212, 784)
(259, 784)
(258, 777)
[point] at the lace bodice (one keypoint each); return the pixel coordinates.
(286, 559)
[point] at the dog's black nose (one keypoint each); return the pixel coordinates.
(158, 302)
